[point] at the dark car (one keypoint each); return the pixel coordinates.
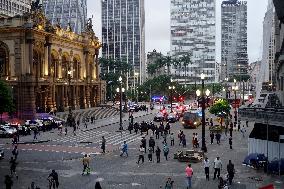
(159, 117)
(191, 120)
(172, 118)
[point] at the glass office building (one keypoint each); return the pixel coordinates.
(123, 35)
(234, 38)
(67, 11)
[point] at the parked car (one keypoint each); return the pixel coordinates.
(159, 117)
(1, 154)
(7, 131)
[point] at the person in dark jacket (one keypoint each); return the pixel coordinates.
(98, 185)
(8, 182)
(158, 154)
(231, 171)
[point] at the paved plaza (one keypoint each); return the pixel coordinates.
(64, 154)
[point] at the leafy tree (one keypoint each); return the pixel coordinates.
(221, 107)
(6, 99)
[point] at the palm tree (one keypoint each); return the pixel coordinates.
(185, 60)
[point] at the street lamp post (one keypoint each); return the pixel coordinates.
(171, 96)
(69, 73)
(120, 90)
(198, 93)
(235, 88)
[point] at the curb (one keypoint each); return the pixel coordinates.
(34, 142)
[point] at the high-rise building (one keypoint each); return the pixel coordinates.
(234, 55)
(268, 53)
(123, 35)
(65, 12)
(9, 8)
(193, 31)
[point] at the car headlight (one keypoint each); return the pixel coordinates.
(182, 122)
(195, 123)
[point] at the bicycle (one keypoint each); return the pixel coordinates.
(51, 183)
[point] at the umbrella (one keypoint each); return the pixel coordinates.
(273, 166)
(254, 157)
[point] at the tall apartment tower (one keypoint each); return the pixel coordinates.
(269, 48)
(65, 12)
(234, 55)
(9, 8)
(193, 31)
(123, 35)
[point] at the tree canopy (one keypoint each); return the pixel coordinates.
(220, 107)
(6, 99)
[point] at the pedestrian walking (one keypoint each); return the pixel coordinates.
(247, 123)
(212, 137)
(172, 139)
(231, 130)
(189, 174)
(231, 171)
(152, 143)
(166, 151)
(239, 125)
(231, 142)
(193, 140)
(183, 141)
(218, 137)
(35, 133)
(179, 136)
(124, 149)
(217, 167)
(13, 166)
(150, 154)
(196, 140)
(15, 152)
(158, 154)
(169, 184)
(141, 154)
(74, 130)
(8, 182)
(143, 143)
(206, 164)
(243, 130)
(54, 176)
(86, 164)
(66, 130)
(103, 147)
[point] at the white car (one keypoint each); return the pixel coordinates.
(7, 131)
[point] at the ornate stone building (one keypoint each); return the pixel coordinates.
(48, 66)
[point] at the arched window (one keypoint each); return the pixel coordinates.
(4, 60)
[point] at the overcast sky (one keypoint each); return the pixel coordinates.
(158, 25)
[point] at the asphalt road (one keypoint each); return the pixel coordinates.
(64, 153)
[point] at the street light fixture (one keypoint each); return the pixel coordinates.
(198, 93)
(171, 88)
(235, 88)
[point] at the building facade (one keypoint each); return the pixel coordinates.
(268, 52)
(193, 31)
(123, 35)
(71, 12)
(10, 8)
(234, 55)
(49, 66)
(279, 43)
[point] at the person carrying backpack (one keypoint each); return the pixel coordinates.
(15, 153)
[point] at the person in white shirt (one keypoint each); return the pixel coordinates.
(217, 167)
(206, 164)
(141, 154)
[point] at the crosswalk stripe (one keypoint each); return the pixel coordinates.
(133, 137)
(80, 136)
(119, 139)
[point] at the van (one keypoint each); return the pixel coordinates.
(191, 120)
